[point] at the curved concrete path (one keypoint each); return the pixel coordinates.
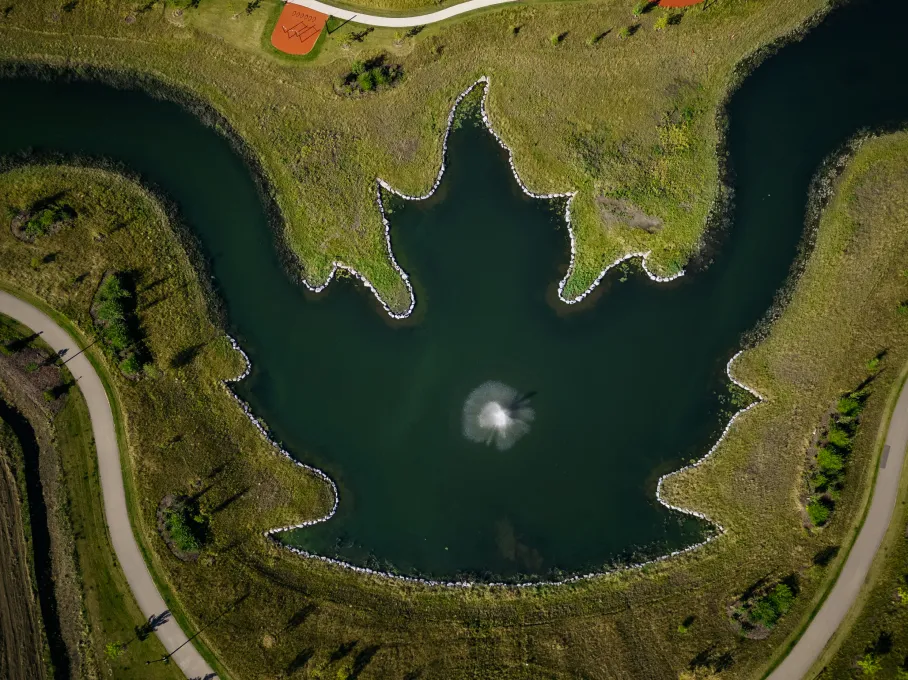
(847, 587)
(399, 22)
(115, 510)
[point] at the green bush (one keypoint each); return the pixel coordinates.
(870, 665)
(768, 609)
(839, 437)
(131, 365)
(117, 335)
(626, 32)
(662, 22)
(849, 406)
(818, 512)
(41, 221)
(187, 527)
(366, 81)
(113, 313)
(830, 461)
(641, 8)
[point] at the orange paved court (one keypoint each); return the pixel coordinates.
(297, 29)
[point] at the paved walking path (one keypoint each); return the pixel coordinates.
(398, 22)
(845, 591)
(124, 543)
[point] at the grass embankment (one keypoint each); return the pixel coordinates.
(95, 607)
(626, 121)
(287, 615)
(873, 199)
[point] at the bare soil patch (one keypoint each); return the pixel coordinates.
(618, 211)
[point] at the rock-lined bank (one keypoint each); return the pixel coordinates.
(383, 185)
(270, 533)
(484, 82)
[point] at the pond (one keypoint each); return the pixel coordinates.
(622, 390)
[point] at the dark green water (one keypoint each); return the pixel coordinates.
(625, 389)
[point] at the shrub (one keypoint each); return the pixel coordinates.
(365, 81)
(555, 39)
(903, 308)
(849, 406)
(131, 365)
(114, 649)
(902, 596)
(771, 607)
(873, 364)
(369, 76)
(42, 220)
(114, 316)
(187, 527)
(662, 22)
(117, 335)
(830, 461)
(839, 437)
(627, 32)
(641, 8)
(870, 665)
(818, 512)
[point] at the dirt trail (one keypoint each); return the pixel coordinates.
(21, 643)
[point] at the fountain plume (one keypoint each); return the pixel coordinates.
(496, 414)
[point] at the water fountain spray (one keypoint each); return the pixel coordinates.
(495, 413)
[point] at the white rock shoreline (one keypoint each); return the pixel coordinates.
(381, 184)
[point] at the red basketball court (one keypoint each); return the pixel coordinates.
(297, 29)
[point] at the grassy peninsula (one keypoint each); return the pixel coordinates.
(628, 122)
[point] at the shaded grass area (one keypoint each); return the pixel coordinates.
(875, 634)
(630, 120)
(268, 613)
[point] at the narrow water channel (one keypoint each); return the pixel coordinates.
(623, 391)
(41, 557)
